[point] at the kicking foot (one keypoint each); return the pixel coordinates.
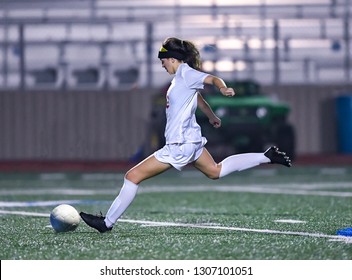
(95, 221)
(276, 156)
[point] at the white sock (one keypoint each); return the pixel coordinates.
(121, 202)
(241, 162)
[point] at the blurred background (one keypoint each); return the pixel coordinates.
(80, 80)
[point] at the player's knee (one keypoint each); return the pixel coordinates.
(132, 176)
(213, 177)
(213, 174)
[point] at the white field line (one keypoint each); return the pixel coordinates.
(37, 203)
(24, 213)
(290, 221)
(267, 189)
(287, 189)
(60, 191)
(268, 231)
(202, 226)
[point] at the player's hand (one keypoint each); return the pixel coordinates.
(227, 92)
(215, 122)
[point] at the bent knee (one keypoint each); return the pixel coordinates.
(132, 176)
(213, 174)
(212, 177)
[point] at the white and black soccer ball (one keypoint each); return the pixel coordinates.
(64, 218)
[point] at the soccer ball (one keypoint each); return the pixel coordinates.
(64, 218)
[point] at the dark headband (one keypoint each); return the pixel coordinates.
(164, 53)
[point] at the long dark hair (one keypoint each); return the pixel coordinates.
(187, 48)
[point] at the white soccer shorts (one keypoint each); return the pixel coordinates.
(179, 155)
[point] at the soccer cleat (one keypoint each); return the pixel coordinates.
(95, 221)
(278, 157)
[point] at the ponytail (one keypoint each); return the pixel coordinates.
(181, 50)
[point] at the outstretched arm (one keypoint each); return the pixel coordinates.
(220, 84)
(205, 108)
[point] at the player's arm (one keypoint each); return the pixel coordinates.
(205, 108)
(220, 84)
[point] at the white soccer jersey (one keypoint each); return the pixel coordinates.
(181, 104)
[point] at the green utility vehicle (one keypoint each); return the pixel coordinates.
(251, 121)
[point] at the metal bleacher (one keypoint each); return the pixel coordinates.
(105, 44)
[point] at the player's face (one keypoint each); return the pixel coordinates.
(167, 64)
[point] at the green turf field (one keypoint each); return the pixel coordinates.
(260, 214)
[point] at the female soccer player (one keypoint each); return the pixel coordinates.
(184, 141)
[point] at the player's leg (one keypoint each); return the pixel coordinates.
(206, 164)
(142, 171)
(242, 162)
(148, 168)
